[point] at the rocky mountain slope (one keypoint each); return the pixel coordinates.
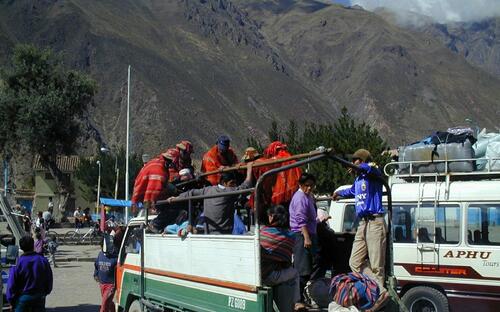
(477, 42)
(204, 67)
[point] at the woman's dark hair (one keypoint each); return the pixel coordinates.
(27, 243)
(280, 216)
(306, 177)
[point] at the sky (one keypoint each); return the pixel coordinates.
(441, 11)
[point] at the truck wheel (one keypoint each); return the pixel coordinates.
(425, 299)
(135, 306)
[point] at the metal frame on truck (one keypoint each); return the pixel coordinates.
(205, 272)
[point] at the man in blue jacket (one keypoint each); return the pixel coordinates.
(368, 249)
(30, 281)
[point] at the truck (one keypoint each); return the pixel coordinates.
(446, 236)
(203, 272)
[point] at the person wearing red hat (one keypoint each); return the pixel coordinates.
(150, 183)
(287, 182)
(184, 149)
(220, 155)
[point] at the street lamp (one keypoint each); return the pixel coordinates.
(98, 187)
(117, 170)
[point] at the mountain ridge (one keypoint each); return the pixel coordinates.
(202, 68)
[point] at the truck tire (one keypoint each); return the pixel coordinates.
(135, 306)
(425, 299)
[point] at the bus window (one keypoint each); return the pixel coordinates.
(403, 219)
(442, 223)
(350, 221)
(483, 226)
(448, 220)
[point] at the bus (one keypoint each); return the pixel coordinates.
(446, 237)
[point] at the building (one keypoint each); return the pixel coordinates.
(45, 186)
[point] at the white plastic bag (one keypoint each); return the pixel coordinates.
(335, 307)
(492, 152)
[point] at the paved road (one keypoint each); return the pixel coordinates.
(74, 289)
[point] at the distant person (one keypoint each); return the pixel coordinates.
(78, 217)
(50, 204)
(219, 211)
(219, 156)
(40, 222)
(104, 274)
(39, 242)
(369, 246)
(304, 224)
(30, 281)
(27, 222)
(48, 218)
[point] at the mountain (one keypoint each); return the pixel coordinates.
(477, 42)
(205, 67)
(404, 82)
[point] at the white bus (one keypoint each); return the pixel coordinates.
(446, 238)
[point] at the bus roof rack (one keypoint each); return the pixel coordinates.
(414, 170)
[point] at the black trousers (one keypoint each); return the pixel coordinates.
(304, 260)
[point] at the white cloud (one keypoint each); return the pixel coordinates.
(441, 11)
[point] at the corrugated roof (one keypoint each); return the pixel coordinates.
(64, 163)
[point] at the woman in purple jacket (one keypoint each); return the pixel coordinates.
(303, 223)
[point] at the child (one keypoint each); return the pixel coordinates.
(104, 274)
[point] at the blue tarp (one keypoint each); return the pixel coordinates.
(115, 202)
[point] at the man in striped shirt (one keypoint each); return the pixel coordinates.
(151, 182)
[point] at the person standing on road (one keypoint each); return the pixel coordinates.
(78, 217)
(104, 274)
(30, 281)
(369, 246)
(303, 223)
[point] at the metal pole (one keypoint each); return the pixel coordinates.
(117, 170)
(5, 176)
(98, 188)
(128, 139)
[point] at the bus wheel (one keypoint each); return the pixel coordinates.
(135, 306)
(425, 299)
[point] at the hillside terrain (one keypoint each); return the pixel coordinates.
(205, 67)
(478, 42)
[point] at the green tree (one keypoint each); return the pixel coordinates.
(275, 132)
(41, 105)
(87, 174)
(345, 136)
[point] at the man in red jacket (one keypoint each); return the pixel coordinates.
(151, 182)
(220, 155)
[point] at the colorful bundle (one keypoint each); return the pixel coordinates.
(354, 289)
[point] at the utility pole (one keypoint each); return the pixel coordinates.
(127, 148)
